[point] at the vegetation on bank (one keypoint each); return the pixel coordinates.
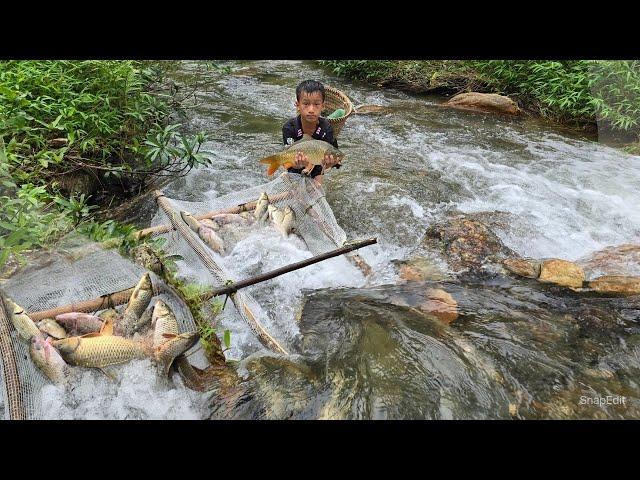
(72, 127)
(574, 91)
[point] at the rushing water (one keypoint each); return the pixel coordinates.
(361, 348)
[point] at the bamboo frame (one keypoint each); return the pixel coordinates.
(15, 400)
(208, 261)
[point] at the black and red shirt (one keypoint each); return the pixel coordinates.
(292, 132)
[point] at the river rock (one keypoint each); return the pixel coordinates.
(467, 244)
(529, 268)
(561, 272)
(440, 304)
(419, 269)
(616, 284)
(615, 260)
(371, 109)
(486, 102)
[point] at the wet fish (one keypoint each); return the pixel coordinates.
(23, 324)
(174, 346)
(79, 323)
(138, 303)
(48, 359)
(207, 222)
(98, 351)
(227, 218)
(211, 238)
(164, 321)
(260, 213)
(283, 219)
(315, 151)
(190, 220)
(51, 328)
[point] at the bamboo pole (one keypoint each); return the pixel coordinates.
(289, 268)
(243, 207)
(15, 401)
(99, 303)
(211, 265)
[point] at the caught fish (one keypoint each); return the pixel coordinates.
(51, 328)
(196, 378)
(207, 222)
(315, 151)
(164, 321)
(227, 218)
(260, 213)
(138, 303)
(48, 359)
(174, 346)
(190, 220)
(211, 238)
(23, 324)
(79, 323)
(98, 351)
(283, 219)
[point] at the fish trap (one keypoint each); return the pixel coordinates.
(89, 272)
(69, 277)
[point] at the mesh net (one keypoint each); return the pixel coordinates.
(89, 272)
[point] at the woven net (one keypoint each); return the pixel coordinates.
(89, 272)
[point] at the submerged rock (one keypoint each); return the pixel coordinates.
(371, 109)
(467, 244)
(615, 260)
(440, 304)
(485, 102)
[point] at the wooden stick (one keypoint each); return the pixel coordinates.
(15, 402)
(208, 261)
(104, 301)
(289, 268)
(243, 207)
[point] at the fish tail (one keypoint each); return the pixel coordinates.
(273, 161)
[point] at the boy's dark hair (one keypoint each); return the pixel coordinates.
(309, 86)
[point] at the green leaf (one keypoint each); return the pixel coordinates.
(227, 338)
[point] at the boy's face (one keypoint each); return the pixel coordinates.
(310, 105)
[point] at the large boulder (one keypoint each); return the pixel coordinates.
(485, 102)
(561, 272)
(467, 244)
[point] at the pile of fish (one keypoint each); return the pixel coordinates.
(209, 229)
(108, 338)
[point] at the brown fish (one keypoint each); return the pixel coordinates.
(48, 360)
(138, 303)
(99, 351)
(174, 346)
(315, 151)
(23, 324)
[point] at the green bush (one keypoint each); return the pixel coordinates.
(106, 119)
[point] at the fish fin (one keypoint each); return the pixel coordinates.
(169, 335)
(112, 376)
(91, 334)
(107, 327)
(273, 163)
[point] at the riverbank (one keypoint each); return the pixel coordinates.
(593, 96)
(78, 136)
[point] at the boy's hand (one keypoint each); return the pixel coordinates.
(301, 160)
(329, 161)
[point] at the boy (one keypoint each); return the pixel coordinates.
(309, 103)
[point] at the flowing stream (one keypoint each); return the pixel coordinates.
(361, 349)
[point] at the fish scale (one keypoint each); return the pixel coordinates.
(101, 350)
